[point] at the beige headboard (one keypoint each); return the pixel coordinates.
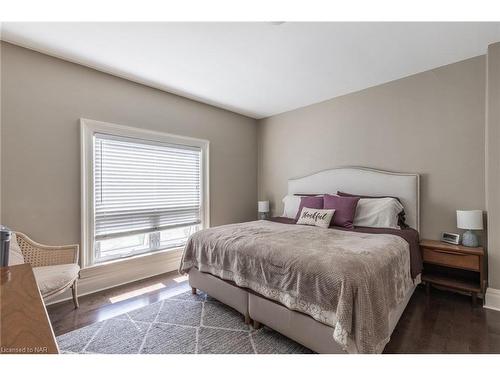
(365, 181)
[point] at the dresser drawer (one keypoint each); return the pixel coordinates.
(448, 258)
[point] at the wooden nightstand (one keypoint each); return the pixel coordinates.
(454, 267)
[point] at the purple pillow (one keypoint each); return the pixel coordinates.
(309, 202)
(345, 209)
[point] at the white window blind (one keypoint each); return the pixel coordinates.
(142, 186)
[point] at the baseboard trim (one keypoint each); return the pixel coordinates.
(492, 299)
(111, 275)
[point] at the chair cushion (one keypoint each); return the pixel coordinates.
(15, 253)
(53, 278)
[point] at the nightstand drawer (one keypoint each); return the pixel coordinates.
(448, 258)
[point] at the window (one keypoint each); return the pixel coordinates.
(143, 191)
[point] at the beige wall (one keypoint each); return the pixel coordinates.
(430, 123)
(42, 101)
(493, 164)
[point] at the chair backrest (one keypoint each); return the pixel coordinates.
(15, 253)
(39, 255)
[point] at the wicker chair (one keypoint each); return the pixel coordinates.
(55, 267)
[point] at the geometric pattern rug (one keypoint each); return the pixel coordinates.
(182, 324)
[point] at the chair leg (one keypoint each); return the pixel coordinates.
(74, 290)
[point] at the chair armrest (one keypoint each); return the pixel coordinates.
(39, 255)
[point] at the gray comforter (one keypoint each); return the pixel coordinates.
(347, 280)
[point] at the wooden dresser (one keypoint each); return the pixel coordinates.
(454, 267)
(24, 324)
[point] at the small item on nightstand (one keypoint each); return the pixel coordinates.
(263, 208)
(470, 220)
(452, 238)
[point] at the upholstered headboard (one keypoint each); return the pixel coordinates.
(365, 181)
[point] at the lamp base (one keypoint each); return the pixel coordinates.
(470, 239)
(263, 215)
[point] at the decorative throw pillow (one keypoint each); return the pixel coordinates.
(309, 202)
(345, 209)
(318, 217)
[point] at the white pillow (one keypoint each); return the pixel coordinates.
(15, 254)
(291, 205)
(315, 216)
(378, 213)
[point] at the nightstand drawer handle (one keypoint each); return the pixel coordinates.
(449, 252)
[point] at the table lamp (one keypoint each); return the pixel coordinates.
(470, 220)
(263, 207)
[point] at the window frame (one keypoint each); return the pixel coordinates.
(87, 130)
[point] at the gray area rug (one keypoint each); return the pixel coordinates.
(184, 323)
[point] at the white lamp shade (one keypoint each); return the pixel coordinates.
(472, 219)
(263, 206)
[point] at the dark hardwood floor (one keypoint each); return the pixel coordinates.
(113, 302)
(442, 322)
(445, 322)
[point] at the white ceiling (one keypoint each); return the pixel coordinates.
(258, 69)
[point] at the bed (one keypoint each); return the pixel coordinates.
(332, 290)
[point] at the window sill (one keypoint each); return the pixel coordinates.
(132, 257)
(139, 258)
